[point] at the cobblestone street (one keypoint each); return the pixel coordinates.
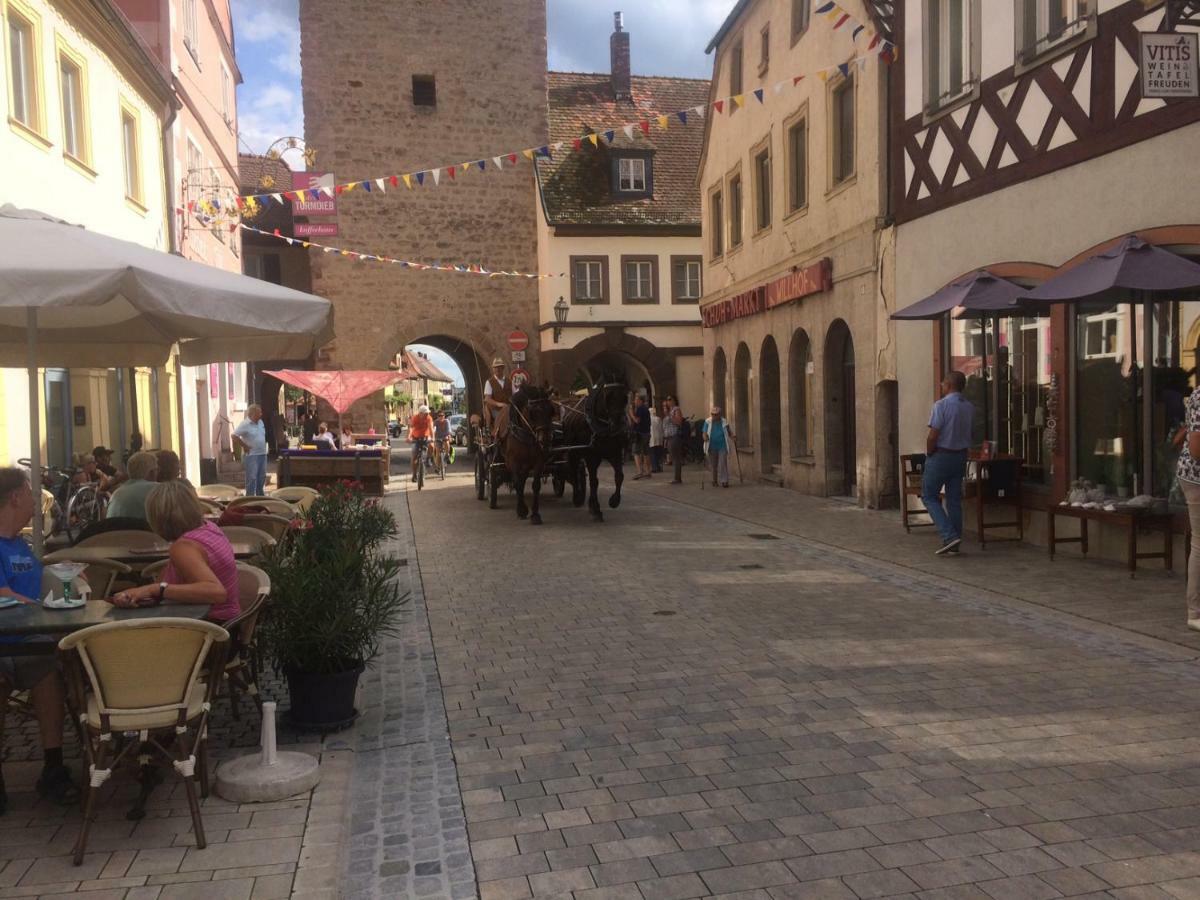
(679, 703)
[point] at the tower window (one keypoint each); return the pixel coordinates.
(424, 90)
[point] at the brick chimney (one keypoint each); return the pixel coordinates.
(618, 46)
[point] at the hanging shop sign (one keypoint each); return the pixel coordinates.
(315, 229)
(1170, 64)
(320, 199)
(796, 284)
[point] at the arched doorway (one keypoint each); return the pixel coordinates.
(609, 366)
(841, 433)
(770, 427)
(719, 376)
(470, 349)
(741, 393)
(799, 395)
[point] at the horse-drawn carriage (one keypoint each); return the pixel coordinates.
(544, 441)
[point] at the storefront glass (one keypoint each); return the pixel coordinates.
(972, 345)
(1108, 397)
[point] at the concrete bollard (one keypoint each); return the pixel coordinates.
(268, 775)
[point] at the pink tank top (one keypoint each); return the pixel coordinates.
(219, 554)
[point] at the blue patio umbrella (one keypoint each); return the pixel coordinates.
(977, 292)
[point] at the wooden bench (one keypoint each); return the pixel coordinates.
(1133, 520)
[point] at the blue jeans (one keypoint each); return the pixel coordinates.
(945, 469)
(256, 475)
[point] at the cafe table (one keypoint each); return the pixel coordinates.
(133, 555)
(27, 619)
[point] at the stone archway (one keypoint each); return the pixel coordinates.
(561, 366)
(471, 350)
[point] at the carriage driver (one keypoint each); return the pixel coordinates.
(496, 393)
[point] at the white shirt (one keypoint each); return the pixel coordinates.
(487, 388)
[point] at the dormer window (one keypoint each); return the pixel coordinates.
(632, 177)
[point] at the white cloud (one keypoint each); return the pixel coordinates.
(266, 21)
(273, 96)
(288, 62)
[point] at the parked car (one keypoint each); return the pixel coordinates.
(393, 428)
(458, 429)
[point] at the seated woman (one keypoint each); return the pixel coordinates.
(129, 500)
(347, 439)
(202, 567)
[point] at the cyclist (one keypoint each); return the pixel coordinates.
(420, 430)
(441, 438)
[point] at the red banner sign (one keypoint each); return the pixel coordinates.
(315, 229)
(796, 284)
(310, 181)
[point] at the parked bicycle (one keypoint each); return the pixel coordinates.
(68, 507)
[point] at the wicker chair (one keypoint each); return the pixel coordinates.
(297, 495)
(271, 505)
(136, 540)
(222, 493)
(145, 677)
(246, 534)
(241, 665)
(276, 526)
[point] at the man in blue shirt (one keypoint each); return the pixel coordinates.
(252, 435)
(946, 461)
(21, 582)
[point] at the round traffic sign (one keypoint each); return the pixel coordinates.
(517, 340)
(519, 377)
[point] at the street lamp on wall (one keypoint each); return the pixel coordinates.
(561, 308)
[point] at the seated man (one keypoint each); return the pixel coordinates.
(21, 578)
(325, 439)
(129, 500)
(497, 391)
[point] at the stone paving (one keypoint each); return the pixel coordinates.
(689, 701)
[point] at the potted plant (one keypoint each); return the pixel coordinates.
(334, 597)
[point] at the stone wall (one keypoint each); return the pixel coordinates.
(358, 59)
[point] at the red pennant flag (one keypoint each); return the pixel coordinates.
(719, 106)
(276, 233)
(338, 189)
(875, 40)
(645, 126)
(797, 80)
(842, 21)
(886, 55)
(577, 143)
(395, 181)
(240, 202)
(512, 158)
(450, 172)
(191, 206)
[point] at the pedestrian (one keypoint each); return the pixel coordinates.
(1187, 472)
(639, 417)
(946, 461)
(718, 437)
(656, 441)
(308, 425)
(252, 435)
(673, 432)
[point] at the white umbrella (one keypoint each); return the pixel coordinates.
(70, 297)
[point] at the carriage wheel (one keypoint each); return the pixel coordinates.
(481, 468)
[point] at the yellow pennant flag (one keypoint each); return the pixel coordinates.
(307, 245)
(347, 188)
(345, 253)
(528, 154)
(408, 181)
(594, 138)
(464, 168)
(662, 122)
(739, 99)
(823, 75)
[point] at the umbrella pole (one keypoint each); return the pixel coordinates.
(35, 431)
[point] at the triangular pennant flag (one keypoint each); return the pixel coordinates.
(395, 181)
(844, 68)
(512, 158)
(610, 136)
(855, 33)
(240, 203)
(875, 40)
(644, 125)
(277, 233)
(779, 86)
(699, 110)
(464, 168)
(663, 121)
(826, 8)
(797, 80)
(382, 183)
(408, 181)
(758, 94)
(556, 146)
(594, 138)
(420, 179)
(314, 194)
(739, 99)
(449, 171)
(887, 54)
(577, 144)
(482, 163)
(544, 150)
(366, 186)
(306, 245)
(437, 176)
(278, 198)
(823, 75)
(682, 116)
(842, 21)
(719, 106)
(628, 129)
(499, 161)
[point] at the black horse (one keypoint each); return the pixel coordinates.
(602, 428)
(527, 447)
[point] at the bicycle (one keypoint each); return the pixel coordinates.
(441, 450)
(420, 453)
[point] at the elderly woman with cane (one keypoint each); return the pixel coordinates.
(718, 439)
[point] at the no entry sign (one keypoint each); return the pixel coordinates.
(518, 340)
(519, 377)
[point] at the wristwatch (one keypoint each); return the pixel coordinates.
(162, 591)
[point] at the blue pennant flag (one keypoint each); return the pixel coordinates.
(403, 265)
(421, 178)
(758, 94)
(366, 186)
(855, 32)
(482, 164)
(314, 194)
(844, 68)
(682, 114)
(544, 151)
(216, 203)
(825, 8)
(609, 135)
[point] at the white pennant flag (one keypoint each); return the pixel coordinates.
(437, 176)
(779, 85)
(628, 129)
(499, 161)
(325, 185)
(278, 198)
(557, 145)
(382, 182)
(699, 110)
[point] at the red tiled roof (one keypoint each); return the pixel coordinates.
(576, 186)
(414, 362)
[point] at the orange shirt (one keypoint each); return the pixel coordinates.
(421, 426)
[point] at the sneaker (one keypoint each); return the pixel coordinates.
(951, 546)
(1194, 624)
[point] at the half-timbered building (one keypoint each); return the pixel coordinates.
(1023, 144)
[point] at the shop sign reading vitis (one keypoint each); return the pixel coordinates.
(1170, 65)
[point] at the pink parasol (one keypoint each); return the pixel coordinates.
(340, 388)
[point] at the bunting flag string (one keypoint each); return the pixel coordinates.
(460, 268)
(876, 46)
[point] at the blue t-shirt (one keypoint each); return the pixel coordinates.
(254, 434)
(716, 436)
(952, 416)
(642, 415)
(20, 571)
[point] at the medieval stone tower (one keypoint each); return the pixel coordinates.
(396, 86)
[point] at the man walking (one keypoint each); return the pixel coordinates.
(640, 419)
(946, 460)
(673, 435)
(252, 435)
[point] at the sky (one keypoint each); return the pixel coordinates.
(667, 37)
